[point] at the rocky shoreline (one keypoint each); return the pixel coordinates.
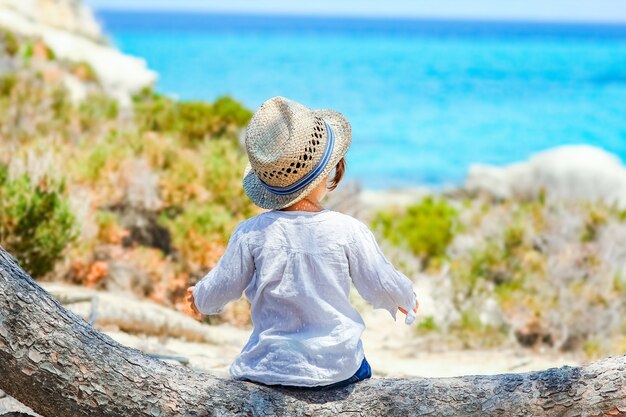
(570, 173)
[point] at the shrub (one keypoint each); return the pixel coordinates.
(472, 333)
(211, 173)
(102, 158)
(593, 349)
(193, 121)
(153, 112)
(96, 108)
(231, 112)
(36, 223)
(37, 49)
(200, 233)
(427, 325)
(84, 71)
(596, 218)
(426, 228)
(7, 83)
(61, 108)
(109, 228)
(45, 108)
(223, 164)
(11, 44)
(204, 200)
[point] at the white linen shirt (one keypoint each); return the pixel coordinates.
(295, 269)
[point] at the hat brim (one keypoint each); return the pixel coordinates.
(264, 198)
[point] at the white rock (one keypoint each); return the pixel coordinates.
(70, 30)
(571, 173)
(75, 87)
(140, 185)
(490, 313)
(488, 179)
(435, 296)
(70, 15)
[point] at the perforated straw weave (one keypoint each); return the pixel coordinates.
(291, 148)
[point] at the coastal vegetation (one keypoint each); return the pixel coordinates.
(35, 221)
(143, 197)
(89, 188)
(425, 228)
(541, 273)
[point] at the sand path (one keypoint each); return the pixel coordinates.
(389, 346)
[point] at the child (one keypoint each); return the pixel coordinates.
(295, 262)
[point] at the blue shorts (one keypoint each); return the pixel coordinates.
(364, 372)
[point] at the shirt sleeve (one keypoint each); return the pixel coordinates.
(375, 278)
(228, 279)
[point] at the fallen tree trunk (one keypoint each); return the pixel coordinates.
(138, 316)
(56, 363)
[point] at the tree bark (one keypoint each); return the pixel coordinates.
(56, 363)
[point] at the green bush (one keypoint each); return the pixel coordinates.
(427, 325)
(61, 106)
(203, 199)
(95, 109)
(195, 120)
(498, 261)
(10, 42)
(596, 218)
(100, 158)
(28, 50)
(36, 222)
(210, 220)
(154, 112)
(223, 164)
(84, 71)
(7, 83)
(230, 112)
(426, 228)
(473, 334)
(191, 120)
(200, 233)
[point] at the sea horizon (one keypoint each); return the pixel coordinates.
(426, 97)
(115, 19)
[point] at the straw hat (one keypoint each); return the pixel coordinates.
(291, 148)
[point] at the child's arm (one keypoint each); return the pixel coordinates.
(229, 278)
(377, 280)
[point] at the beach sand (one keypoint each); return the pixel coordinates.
(390, 347)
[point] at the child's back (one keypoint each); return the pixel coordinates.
(295, 268)
(295, 262)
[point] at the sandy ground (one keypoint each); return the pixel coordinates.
(390, 348)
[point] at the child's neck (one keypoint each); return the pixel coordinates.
(305, 204)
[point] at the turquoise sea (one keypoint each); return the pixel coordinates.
(425, 98)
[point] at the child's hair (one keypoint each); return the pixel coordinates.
(340, 169)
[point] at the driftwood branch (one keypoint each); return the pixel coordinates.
(53, 361)
(135, 316)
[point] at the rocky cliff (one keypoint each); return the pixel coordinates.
(69, 28)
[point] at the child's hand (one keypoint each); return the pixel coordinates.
(410, 317)
(191, 305)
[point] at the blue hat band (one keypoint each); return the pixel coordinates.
(308, 178)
